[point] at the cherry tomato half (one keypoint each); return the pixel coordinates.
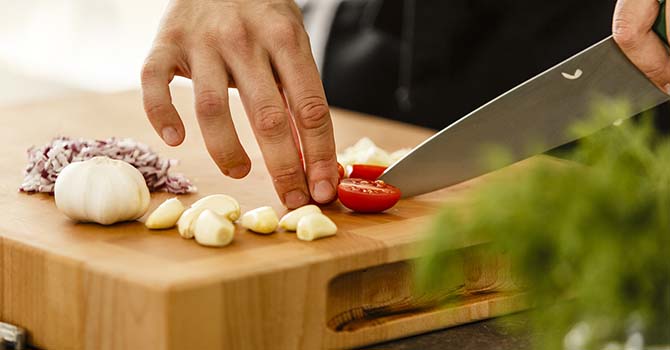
(340, 171)
(365, 171)
(366, 196)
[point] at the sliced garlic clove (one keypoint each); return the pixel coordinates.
(165, 215)
(315, 226)
(260, 220)
(289, 221)
(221, 204)
(186, 221)
(213, 230)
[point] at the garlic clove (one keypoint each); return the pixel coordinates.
(260, 220)
(213, 230)
(166, 215)
(364, 152)
(315, 226)
(220, 204)
(185, 222)
(289, 221)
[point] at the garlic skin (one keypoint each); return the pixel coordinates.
(165, 215)
(213, 230)
(101, 190)
(260, 220)
(289, 222)
(315, 226)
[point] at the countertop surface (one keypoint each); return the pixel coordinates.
(503, 333)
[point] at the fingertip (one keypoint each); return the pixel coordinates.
(171, 136)
(323, 191)
(239, 171)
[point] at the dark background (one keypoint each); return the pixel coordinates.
(430, 62)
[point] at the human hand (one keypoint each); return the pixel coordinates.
(260, 47)
(633, 31)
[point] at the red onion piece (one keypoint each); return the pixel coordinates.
(44, 163)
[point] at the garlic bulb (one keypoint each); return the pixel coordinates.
(101, 190)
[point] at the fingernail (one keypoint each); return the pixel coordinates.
(667, 89)
(238, 172)
(170, 135)
(295, 199)
(323, 191)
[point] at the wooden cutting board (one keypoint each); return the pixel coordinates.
(84, 286)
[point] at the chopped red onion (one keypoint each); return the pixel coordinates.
(44, 163)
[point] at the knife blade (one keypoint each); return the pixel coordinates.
(537, 112)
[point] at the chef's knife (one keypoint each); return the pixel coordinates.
(539, 111)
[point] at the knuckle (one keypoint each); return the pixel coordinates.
(149, 71)
(174, 34)
(270, 122)
(321, 160)
(287, 175)
(155, 108)
(655, 72)
(313, 113)
(625, 34)
(286, 34)
(224, 157)
(210, 103)
(211, 38)
(234, 36)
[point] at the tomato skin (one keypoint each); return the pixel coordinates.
(366, 196)
(340, 171)
(365, 171)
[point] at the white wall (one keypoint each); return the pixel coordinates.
(52, 47)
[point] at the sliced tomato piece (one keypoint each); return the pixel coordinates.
(365, 171)
(367, 196)
(340, 171)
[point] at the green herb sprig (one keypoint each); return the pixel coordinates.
(591, 241)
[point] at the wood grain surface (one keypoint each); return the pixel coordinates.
(85, 286)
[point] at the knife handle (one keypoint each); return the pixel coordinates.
(660, 25)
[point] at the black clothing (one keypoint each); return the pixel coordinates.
(430, 62)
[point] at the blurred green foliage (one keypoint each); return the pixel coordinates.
(591, 240)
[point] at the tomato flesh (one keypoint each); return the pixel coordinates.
(365, 196)
(365, 171)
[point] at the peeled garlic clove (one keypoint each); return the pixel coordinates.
(364, 152)
(213, 230)
(260, 220)
(289, 221)
(220, 204)
(399, 154)
(166, 215)
(186, 220)
(315, 226)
